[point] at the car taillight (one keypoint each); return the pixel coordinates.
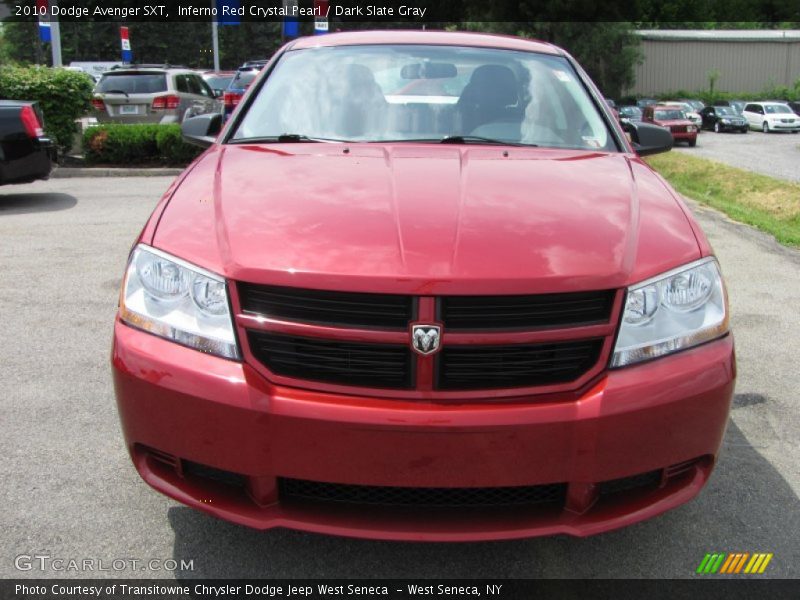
(98, 104)
(231, 98)
(166, 102)
(31, 122)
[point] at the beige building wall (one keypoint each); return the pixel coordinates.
(743, 65)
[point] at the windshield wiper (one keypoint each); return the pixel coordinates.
(284, 138)
(455, 139)
(116, 92)
(476, 139)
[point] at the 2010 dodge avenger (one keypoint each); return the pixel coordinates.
(422, 286)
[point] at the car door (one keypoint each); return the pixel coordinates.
(751, 113)
(210, 102)
(707, 115)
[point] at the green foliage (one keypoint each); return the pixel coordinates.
(63, 96)
(172, 148)
(771, 92)
(142, 144)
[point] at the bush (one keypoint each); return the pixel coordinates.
(137, 145)
(63, 96)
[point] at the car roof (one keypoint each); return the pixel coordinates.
(440, 38)
(673, 106)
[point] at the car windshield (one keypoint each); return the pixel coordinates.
(133, 83)
(669, 115)
(630, 111)
(426, 93)
(219, 82)
(776, 109)
(243, 78)
(726, 111)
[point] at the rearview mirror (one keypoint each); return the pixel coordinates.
(648, 139)
(428, 70)
(202, 130)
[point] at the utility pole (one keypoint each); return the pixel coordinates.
(55, 32)
(215, 37)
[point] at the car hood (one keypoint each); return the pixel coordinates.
(426, 219)
(673, 122)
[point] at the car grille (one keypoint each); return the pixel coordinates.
(485, 367)
(362, 339)
(525, 312)
(420, 497)
(349, 363)
(332, 308)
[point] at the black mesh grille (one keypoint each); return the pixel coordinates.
(332, 308)
(624, 484)
(482, 367)
(349, 363)
(218, 475)
(421, 497)
(513, 312)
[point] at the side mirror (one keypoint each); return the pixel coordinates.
(202, 130)
(648, 139)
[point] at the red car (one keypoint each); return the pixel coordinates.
(457, 311)
(672, 118)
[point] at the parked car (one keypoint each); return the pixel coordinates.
(241, 81)
(218, 81)
(464, 311)
(26, 153)
(151, 94)
(696, 104)
(630, 113)
(723, 118)
(644, 102)
(688, 110)
(613, 106)
(672, 117)
(795, 106)
(771, 116)
(737, 105)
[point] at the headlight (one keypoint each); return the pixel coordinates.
(674, 311)
(726, 121)
(689, 128)
(173, 299)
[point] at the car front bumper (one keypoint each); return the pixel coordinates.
(180, 408)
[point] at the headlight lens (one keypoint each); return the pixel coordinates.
(178, 301)
(674, 311)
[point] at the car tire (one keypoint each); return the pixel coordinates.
(745, 130)
(765, 127)
(716, 127)
(692, 143)
(796, 131)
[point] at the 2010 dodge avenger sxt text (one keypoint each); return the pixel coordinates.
(421, 286)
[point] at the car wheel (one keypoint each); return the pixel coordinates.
(716, 127)
(796, 131)
(692, 143)
(745, 130)
(765, 127)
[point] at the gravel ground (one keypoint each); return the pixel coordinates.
(70, 491)
(773, 154)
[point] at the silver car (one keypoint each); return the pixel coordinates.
(152, 94)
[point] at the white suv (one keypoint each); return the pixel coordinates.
(771, 116)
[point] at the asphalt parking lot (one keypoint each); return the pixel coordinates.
(69, 490)
(773, 154)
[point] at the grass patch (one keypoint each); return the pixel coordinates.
(768, 204)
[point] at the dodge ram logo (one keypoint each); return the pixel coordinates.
(425, 338)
